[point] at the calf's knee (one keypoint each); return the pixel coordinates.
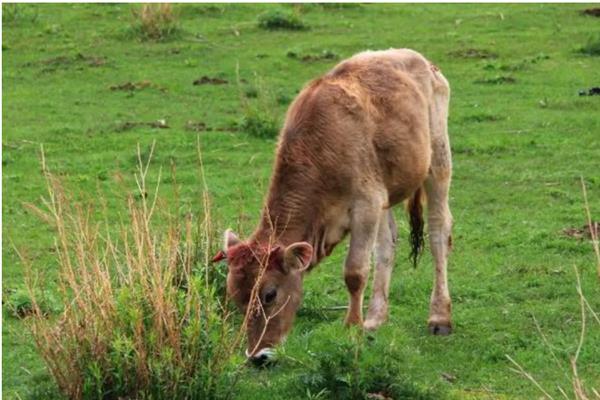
(355, 281)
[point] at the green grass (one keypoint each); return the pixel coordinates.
(592, 47)
(519, 150)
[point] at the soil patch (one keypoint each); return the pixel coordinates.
(197, 126)
(129, 125)
(473, 53)
(497, 80)
(64, 62)
(206, 80)
(594, 12)
(585, 232)
(133, 86)
(324, 55)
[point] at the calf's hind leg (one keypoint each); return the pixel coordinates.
(384, 260)
(439, 221)
(440, 225)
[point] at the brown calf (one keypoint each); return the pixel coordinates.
(366, 136)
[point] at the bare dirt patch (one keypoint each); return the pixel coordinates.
(135, 86)
(197, 126)
(473, 53)
(206, 80)
(129, 125)
(496, 80)
(323, 55)
(585, 232)
(79, 60)
(593, 12)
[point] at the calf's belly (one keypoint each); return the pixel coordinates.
(405, 179)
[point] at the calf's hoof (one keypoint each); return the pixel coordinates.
(440, 328)
(371, 324)
(377, 315)
(353, 319)
(352, 322)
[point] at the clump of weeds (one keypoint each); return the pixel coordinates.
(154, 22)
(281, 20)
(143, 315)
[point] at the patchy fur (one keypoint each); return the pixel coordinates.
(244, 254)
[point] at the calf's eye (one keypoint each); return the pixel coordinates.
(269, 296)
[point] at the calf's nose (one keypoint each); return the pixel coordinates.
(262, 357)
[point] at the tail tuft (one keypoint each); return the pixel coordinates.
(415, 213)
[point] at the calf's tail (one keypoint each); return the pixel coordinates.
(415, 213)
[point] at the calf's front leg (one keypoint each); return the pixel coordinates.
(363, 231)
(384, 260)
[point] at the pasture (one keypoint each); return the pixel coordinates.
(83, 81)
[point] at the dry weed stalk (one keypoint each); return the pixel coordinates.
(579, 389)
(137, 320)
(593, 232)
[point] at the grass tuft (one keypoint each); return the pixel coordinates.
(281, 20)
(258, 104)
(259, 124)
(143, 316)
(155, 22)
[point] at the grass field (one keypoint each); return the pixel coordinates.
(78, 79)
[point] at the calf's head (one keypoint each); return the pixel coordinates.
(265, 282)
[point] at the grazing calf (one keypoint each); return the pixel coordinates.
(366, 136)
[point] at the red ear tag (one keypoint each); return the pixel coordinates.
(274, 250)
(220, 256)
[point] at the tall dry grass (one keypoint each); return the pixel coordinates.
(154, 21)
(141, 316)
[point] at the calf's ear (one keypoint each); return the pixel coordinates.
(230, 239)
(297, 256)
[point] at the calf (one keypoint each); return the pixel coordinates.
(366, 136)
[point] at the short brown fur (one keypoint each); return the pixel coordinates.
(355, 142)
